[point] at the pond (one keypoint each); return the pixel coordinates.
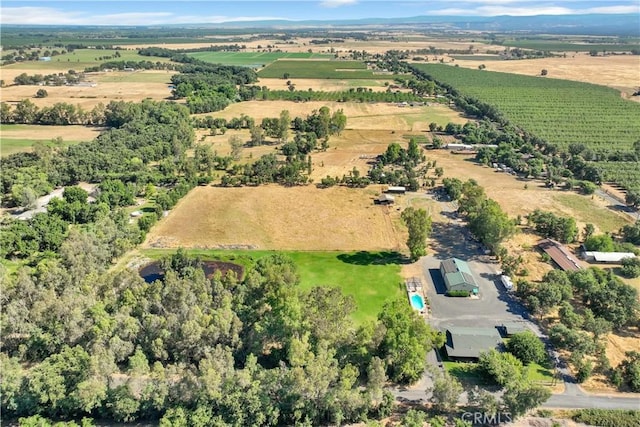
(152, 271)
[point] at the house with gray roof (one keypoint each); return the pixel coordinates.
(457, 276)
(466, 344)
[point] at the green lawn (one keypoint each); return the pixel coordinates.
(319, 70)
(371, 277)
(468, 373)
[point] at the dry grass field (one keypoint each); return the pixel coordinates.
(620, 72)
(88, 97)
(70, 133)
(360, 116)
(275, 217)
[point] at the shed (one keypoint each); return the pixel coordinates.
(607, 257)
(467, 343)
(457, 276)
(385, 199)
(396, 190)
(560, 255)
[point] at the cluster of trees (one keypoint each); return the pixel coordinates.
(56, 79)
(296, 166)
(135, 65)
(351, 95)
(209, 87)
(548, 224)
(60, 113)
(590, 304)
(145, 143)
(398, 166)
(162, 52)
(607, 417)
(192, 350)
(508, 371)
(488, 223)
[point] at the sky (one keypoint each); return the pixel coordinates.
(158, 12)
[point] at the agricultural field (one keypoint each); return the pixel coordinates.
(572, 46)
(559, 111)
(617, 71)
(80, 59)
(21, 138)
(314, 69)
(253, 59)
(325, 85)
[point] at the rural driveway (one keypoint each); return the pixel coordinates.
(618, 205)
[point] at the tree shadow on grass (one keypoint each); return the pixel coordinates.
(374, 258)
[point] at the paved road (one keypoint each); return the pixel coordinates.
(618, 205)
(591, 401)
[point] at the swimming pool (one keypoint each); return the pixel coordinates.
(417, 302)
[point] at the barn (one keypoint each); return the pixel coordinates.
(457, 276)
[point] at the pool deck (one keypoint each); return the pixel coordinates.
(414, 287)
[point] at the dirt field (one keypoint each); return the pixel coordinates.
(275, 217)
(620, 72)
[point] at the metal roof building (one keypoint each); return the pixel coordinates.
(613, 257)
(467, 343)
(457, 276)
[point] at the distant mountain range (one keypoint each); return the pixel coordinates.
(592, 24)
(588, 24)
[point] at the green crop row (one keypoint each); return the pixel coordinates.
(318, 70)
(560, 111)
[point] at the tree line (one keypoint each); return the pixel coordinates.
(219, 351)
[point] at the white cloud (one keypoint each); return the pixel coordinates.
(337, 3)
(49, 16)
(529, 8)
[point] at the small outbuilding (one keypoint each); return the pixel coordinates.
(396, 190)
(607, 257)
(385, 199)
(466, 344)
(457, 276)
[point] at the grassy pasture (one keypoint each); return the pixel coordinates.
(372, 278)
(80, 59)
(318, 70)
(10, 146)
(21, 138)
(253, 59)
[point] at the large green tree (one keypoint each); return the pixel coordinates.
(527, 347)
(418, 223)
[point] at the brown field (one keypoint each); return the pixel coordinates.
(359, 115)
(67, 133)
(302, 44)
(88, 97)
(509, 191)
(621, 72)
(275, 217)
